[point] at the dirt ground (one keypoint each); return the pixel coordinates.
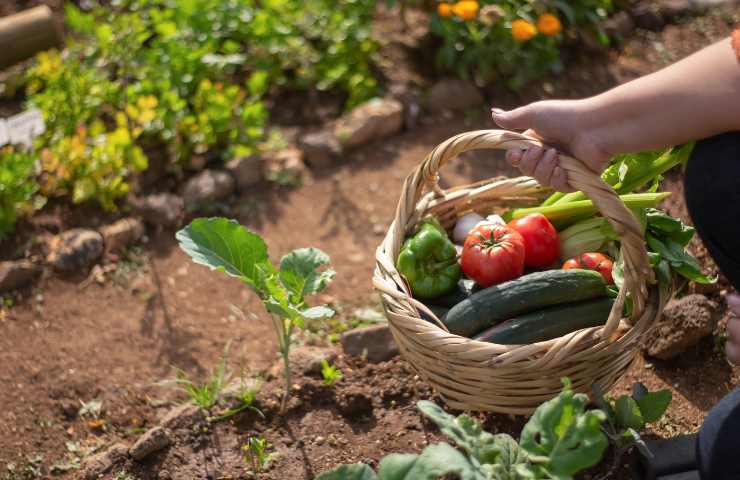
(68, 341)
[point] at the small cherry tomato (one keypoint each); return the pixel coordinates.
(541, 242)
(593, 261)
(493, 254)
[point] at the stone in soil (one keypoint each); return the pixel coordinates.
(152, 441)
(17, 274)
(75, 249)
(375, 341)
(165, 209)
(121, 234)
(304, 360)
(286, 166)
(684, 323)
(183, 417)
(353, 402)
(207, 187)
(101, 463)
(453, 94)
(247, 171)
(674, 8)
(374, 120)
(322, 148)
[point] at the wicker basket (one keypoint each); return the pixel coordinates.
(473, 375)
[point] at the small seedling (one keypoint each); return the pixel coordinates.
(208, 394)
(330, 373)
(256, 453)
(224, 245)
(245, 397)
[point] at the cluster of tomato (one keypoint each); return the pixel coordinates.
(493, 253)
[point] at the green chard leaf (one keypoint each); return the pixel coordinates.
(224, 245)
(562, 437)
(358, 471)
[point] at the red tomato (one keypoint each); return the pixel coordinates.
(593, 261)
(493, 254)
(541, 242)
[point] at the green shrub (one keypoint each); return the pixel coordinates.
(514, 40)
(16, 186)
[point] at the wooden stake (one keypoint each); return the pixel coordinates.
(26, 33)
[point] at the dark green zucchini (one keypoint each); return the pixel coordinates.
(549, 323)
(528, 293)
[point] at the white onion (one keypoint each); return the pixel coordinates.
(464, 225)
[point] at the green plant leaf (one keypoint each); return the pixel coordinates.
(562, 437)
(468, 435)
(298, 271)
(628, 413)
(224, 245)
(435, 461)
(358, 471)
(654, 404)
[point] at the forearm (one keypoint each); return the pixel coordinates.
(692, 99)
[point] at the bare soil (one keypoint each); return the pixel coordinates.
(69, 340)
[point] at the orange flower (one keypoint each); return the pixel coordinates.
(522, 30)
(466, 9)
(549, 24)
(444, 10)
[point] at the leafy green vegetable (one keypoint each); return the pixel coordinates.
(560, 440)
(628, 413)
(224, 245)
(654, 404)
(562, 437)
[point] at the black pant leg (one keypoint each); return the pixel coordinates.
(712, 188)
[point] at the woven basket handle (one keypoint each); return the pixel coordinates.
(637, 271)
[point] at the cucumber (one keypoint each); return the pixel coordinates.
(527, 293)
(465, 288)
(440, 312)
(549, 323)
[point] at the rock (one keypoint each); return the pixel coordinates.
(247, 171)
(286, 166)
(183, 417)
(674, 8)
(75, 249)
(702, 5)
(410, 99)
(646, 15)
(165, 209)
(373, 120)
(353, 402)
(321, 148)
(17, 274)
(376, 341)
(152, 441)
(684, 322)
(101, 463)
(619, 26)
(453, 94)
(121, 234)
(304, 360)
(207, 187)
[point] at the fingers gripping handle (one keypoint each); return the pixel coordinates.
(637, 269)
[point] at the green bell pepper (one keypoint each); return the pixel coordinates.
(428, 260)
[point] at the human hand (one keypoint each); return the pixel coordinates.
(564, 126)
(732, 349)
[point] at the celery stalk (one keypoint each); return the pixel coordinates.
(639, 171)
(567, 213)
